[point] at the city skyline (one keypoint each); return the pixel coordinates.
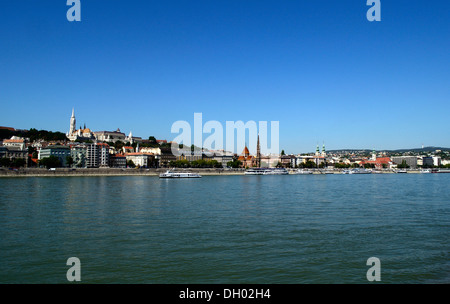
(322, 70)
(73, 130)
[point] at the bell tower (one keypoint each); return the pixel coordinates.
(72, 122)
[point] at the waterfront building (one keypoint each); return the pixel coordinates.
(269, 161)
(79, 156)
(222, 157)
(427, 161)
(316, 159)
(420, 160)
(379, 162)
(155, 151)
(411, 161)
(97, 155)
(286, 160)
(118, 161)
(143, 160)
(13, 153)
(127, 149)
(92, 156)
(294, 161)
(436, 161)
(165, 157)
(59, 151)
(190, 156)
(15, 142)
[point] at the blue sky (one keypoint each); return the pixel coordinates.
(318, 67)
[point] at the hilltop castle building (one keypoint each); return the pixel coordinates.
(82, 134)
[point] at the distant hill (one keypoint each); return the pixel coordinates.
(425, 149)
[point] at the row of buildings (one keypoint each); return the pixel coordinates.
(102, 155)
(87, 149)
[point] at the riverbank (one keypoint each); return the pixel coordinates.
(41, 172)
(38, 172)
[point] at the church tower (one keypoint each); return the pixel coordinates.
(324, 153)
(72, 122)
(130, 138)
(258, 153)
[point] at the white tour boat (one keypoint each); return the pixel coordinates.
(266, 171)
(173, 174)
(360, 171)
(302, 171)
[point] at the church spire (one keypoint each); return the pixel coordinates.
(72, 122)
(258, 153)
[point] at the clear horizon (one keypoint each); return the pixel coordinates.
(322, 70)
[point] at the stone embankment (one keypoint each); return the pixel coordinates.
(23, 172)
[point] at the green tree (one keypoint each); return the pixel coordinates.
(309, 164)
(69, 161)
(5, 162)
(50, 162)
(130, 164)
(403, 165)
(234, 164)
(18, 162)
(118, 145)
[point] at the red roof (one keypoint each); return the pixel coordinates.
(138, 153)
(7, 128)
(380, 160)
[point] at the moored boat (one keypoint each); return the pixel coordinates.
(173, 174)
(302, 171)
(360, 171)
(266, 171)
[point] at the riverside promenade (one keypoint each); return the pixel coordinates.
(61, 172)
(36, 172)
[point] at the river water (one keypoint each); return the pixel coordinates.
(226, 229)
